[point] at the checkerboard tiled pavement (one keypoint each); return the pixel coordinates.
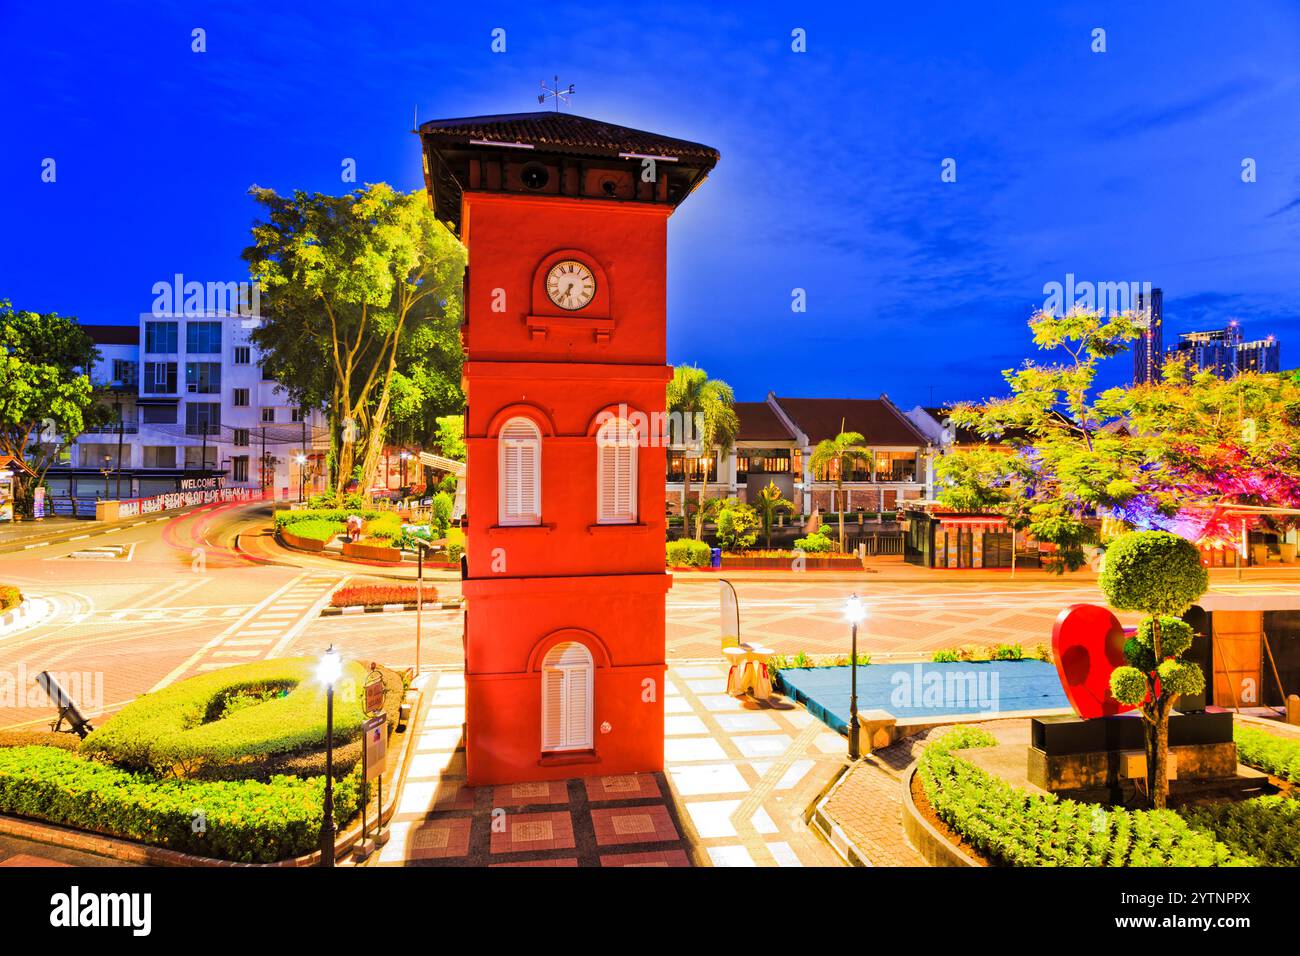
(739, 776)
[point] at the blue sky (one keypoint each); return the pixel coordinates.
(1115, 166)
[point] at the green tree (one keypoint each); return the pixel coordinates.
(769, 504)
(837, 455)
(737, 526)
(450, 436)
(1071, 465)
(703, 417)
(1159, 574)
(361, 306)
(46, 397)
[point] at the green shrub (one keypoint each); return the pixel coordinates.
(815, 543)
(179, 728)
(1013, 827)
(63, 740)
(316, 529)
(1279, 756)
(384, 528)
(1007, 652)
(10, 596)
(1154, 572)
(738, 526)
(1265, 828)
(688, 553)
(285, 517)
(247, 821)
(946, 655)
(441, 509)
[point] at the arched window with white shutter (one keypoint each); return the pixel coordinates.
(519, 499)
(567, 711)
(616, 444)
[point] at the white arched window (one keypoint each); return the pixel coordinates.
(519, 498)
(616, 443)
(566, 698)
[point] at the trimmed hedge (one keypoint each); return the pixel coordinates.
(314, 529)
(1279, 756)
(63, 740)
(384, 527)
(340, 515)
(191, 724)
(1013, 827)
(1265, 828)
(688, 553)
(246, 821)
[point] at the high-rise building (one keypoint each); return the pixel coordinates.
(1214, 351)
(1259, 356)
(1150, 346)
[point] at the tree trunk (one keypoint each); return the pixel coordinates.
(686, 496)
(839, 495)
(699, 512)
(1161, 792)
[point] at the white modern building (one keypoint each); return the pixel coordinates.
(191, 409)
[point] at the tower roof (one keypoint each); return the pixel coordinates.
(564, 134)
(508, 153)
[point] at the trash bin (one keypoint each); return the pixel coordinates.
(715, 557)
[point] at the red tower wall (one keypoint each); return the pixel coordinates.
(569, 579)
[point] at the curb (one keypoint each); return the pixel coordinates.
(389, 608)
(825, 826)
(131, 851)
(15, 614)
(933, 846)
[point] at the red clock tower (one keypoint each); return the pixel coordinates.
(565, 219)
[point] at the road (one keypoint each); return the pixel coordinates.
(184, 599)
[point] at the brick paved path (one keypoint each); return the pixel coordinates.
(868, 803)
(739, 776)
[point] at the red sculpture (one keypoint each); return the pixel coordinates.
(1087, 645)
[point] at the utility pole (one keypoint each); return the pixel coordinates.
(118, 405)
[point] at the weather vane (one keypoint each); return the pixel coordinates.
(559, 94)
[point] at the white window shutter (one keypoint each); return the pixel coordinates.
(567, 709)
(616, 450)
(553, 709)
(519, 491)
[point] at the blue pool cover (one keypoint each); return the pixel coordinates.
(984, 689)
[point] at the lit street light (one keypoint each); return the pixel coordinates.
(301, 461)
(855, 614)
(327, 672)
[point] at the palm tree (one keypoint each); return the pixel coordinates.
(769, 504)
(844, 449)
(706, 404)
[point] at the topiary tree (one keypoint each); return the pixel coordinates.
(1161, 575)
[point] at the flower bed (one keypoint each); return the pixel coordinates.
(1012, 827)
(377, 595)
(1265, 828)
(785, 561)
(10, 597)
(365, 551)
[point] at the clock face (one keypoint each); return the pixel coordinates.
(570, 285)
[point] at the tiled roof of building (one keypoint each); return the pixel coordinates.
(875, 418)
(759, 423)
(564, 133)
(113, 334)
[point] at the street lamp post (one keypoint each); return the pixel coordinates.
(301, 460)
(327, 672)
(403, 456)
(854, 613)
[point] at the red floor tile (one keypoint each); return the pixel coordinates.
(650, 858)
(529, 794)
(439, 839)
(534, 831)
(565, 861)
(616, 825)
(629, 786)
